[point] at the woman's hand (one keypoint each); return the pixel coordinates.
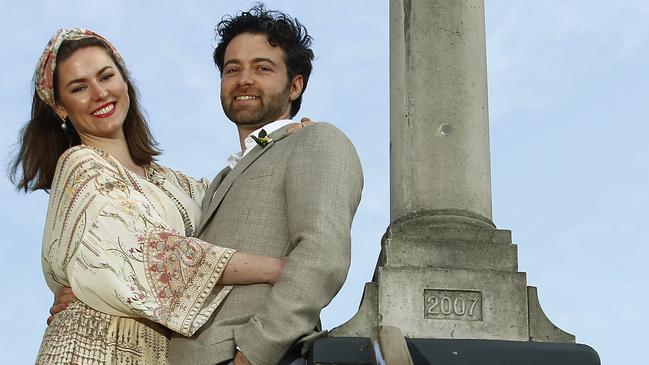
(241, 359)
(62, 298)
(297, 126)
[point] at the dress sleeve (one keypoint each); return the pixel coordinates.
(194, 188)
(124, 259)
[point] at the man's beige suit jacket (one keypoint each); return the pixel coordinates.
(295, 197)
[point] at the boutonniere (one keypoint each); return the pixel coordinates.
(262, 139)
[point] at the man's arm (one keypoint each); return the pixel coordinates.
(323, 187)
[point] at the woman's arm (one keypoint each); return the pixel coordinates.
(119, 255)
(245, 268)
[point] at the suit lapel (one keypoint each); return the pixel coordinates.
(222, 184)
(209, 193)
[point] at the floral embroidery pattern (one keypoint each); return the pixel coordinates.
(176, 266)
(44, 75)
(116, 242)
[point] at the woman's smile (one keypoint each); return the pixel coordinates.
(105, 110)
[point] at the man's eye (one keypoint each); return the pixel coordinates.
(232, 70)
(265, 68)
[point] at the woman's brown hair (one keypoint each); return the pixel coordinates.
(42, 140)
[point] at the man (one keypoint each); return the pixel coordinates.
(285, 194)
(289, 195)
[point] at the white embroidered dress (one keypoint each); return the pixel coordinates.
(123, 244)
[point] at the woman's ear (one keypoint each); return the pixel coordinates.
(60, 111)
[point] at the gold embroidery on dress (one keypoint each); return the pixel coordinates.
(122, 254)
(82, 335)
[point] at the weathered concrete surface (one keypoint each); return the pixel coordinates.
(541, 328)
(447, 303)
(439, 130)
(364, 323)
(444, 271)
(449, 247)
(455, 283)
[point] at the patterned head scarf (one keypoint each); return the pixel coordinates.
(44, 76)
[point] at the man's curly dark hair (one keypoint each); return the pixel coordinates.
(282, 30)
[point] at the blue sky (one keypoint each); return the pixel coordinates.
(570, 159)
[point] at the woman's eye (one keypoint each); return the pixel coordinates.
(107, 76)
(77, 89)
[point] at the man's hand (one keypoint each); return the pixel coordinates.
(241, 359)
(62, 298)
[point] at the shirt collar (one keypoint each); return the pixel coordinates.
(250, 143)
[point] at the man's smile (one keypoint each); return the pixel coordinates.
(246, 97)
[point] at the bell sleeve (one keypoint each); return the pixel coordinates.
(118, 254)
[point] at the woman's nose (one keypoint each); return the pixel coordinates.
(99, 92)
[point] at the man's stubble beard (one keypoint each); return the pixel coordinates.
(270, 110)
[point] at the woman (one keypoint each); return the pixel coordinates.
(119, 226)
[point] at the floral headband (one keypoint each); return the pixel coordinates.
(44, 75)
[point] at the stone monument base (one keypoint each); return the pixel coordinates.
(451, 282)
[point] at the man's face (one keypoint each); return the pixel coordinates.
(255, 89)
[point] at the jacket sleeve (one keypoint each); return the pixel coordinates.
(323, 186)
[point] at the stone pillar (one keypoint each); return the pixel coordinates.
(439, 127)
(444, 271)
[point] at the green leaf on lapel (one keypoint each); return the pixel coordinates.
(262, 139)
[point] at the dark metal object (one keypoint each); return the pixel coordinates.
(358, 350)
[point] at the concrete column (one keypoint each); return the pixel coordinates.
(444, 270)
(439, 127)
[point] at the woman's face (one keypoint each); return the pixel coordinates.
(93, 94)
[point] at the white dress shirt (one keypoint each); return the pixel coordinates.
(250, 143)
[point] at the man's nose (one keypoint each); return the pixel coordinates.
(246, 78)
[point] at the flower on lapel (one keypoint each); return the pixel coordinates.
(262, 139)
